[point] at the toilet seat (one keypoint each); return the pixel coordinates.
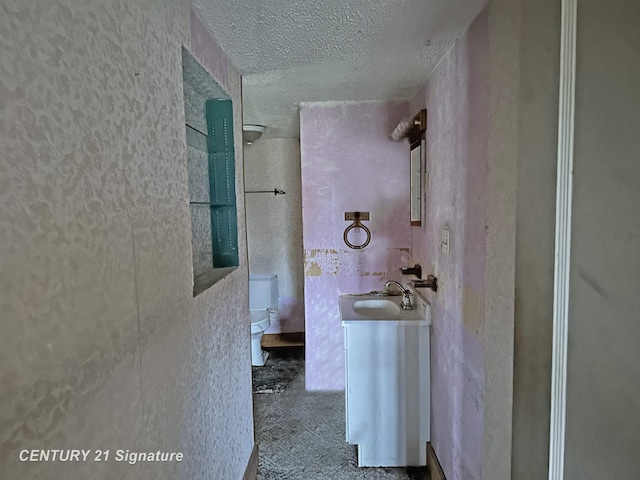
(259, 320)
(263, 302)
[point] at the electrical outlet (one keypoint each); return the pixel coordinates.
(444, 241)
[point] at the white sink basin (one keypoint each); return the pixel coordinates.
(375, 307)
(370, 308)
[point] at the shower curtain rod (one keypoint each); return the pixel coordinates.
(275, 191)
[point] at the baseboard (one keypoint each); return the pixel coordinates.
(433, 465)
(251, 471)
(295, 339)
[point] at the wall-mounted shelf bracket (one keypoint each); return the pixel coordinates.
(364, 216)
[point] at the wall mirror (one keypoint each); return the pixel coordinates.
(416, 136)
(416, 185)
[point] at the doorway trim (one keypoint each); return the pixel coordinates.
(564, 187)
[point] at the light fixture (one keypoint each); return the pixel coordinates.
(410, 128)
(251, 133)
(401, 130)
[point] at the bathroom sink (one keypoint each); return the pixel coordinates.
(376, 307)
(387, 380)
(360, 308)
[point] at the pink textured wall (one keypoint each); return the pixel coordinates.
(348, 164)
(456, 96)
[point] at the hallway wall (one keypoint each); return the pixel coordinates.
(456, 97)
(274, 224)
(472, 150)
(103, 345)
(603, 378)
(349, 163)
(535, 237)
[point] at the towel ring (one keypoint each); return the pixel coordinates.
(356, 224)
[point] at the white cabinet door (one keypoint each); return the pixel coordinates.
(387, 392)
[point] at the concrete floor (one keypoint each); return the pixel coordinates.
(301, 434)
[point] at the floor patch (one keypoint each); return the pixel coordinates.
(301, 434)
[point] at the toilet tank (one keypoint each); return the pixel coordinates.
(263, 291)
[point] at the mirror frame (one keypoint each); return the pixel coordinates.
(418, 143)
(417, 148)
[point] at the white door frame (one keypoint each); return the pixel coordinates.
(566, 117)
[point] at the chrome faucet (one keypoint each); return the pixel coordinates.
(406, 294)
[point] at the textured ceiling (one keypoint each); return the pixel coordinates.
(303, 51)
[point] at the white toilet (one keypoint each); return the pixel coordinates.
(263, 303)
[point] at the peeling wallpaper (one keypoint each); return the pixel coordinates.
(274, 224)
(348, 164)
(102, 344)
(456, 96)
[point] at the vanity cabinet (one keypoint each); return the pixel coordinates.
(387, 390)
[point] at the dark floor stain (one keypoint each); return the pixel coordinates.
(282, 366)
(417, 473)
